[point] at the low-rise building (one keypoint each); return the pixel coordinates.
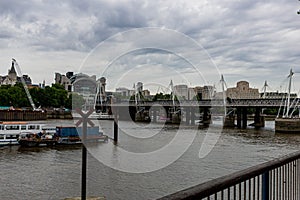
(242, 91)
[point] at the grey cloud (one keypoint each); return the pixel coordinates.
(237, 34)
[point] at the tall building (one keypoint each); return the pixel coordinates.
(64, 80)
(181, 91)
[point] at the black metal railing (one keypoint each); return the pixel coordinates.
(278, 179)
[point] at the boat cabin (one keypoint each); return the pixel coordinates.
(17, 127)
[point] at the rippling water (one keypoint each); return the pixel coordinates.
(55, 173)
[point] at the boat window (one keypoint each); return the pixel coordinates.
(23, 127)
(12, 127)
(11, 137)
(31, 127)
(1, 136)
(1, 127)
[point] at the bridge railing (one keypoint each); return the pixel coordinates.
(276, 179)
(209, 103)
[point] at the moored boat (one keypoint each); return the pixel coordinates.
(63, 135)
(10, 131)
(74, 135)
(31, 139)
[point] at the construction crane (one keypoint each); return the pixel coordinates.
(24, 84)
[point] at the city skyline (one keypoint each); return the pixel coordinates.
(253, 41)
(164, 90)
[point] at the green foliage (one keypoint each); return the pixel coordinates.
(161, 96)
(271, 111)
(55, 96)
(13, 96)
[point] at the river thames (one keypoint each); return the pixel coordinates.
(55, 172)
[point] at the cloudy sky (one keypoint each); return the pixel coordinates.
(244, 40)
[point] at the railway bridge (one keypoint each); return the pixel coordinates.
(191, 111)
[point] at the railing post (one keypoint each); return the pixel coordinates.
(265, 186)
(116, 126)
(298, 179)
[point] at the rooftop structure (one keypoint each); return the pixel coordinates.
(11, 78)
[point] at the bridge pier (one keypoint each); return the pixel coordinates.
(154, 114)
(206, 117)
(259, 121)
(193, 117)
(187, 115)
(239, 117)
(229, 120)
(244, 118)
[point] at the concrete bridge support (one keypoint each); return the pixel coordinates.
(229, 120)
(154, 114)
(244, 110)
(259, 121)
(187, 115)
(193, 117)
(241, 118)
(206, 116)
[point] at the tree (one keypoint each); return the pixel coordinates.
(55, 96)
(17, 96)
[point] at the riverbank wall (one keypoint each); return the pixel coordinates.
(22, 115)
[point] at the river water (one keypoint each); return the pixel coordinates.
(55, 172)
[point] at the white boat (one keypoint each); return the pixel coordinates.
(10, 131)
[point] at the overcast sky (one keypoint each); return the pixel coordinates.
(245, 40)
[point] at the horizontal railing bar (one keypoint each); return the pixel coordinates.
(204, 189)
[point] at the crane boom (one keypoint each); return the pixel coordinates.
(24, 84)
